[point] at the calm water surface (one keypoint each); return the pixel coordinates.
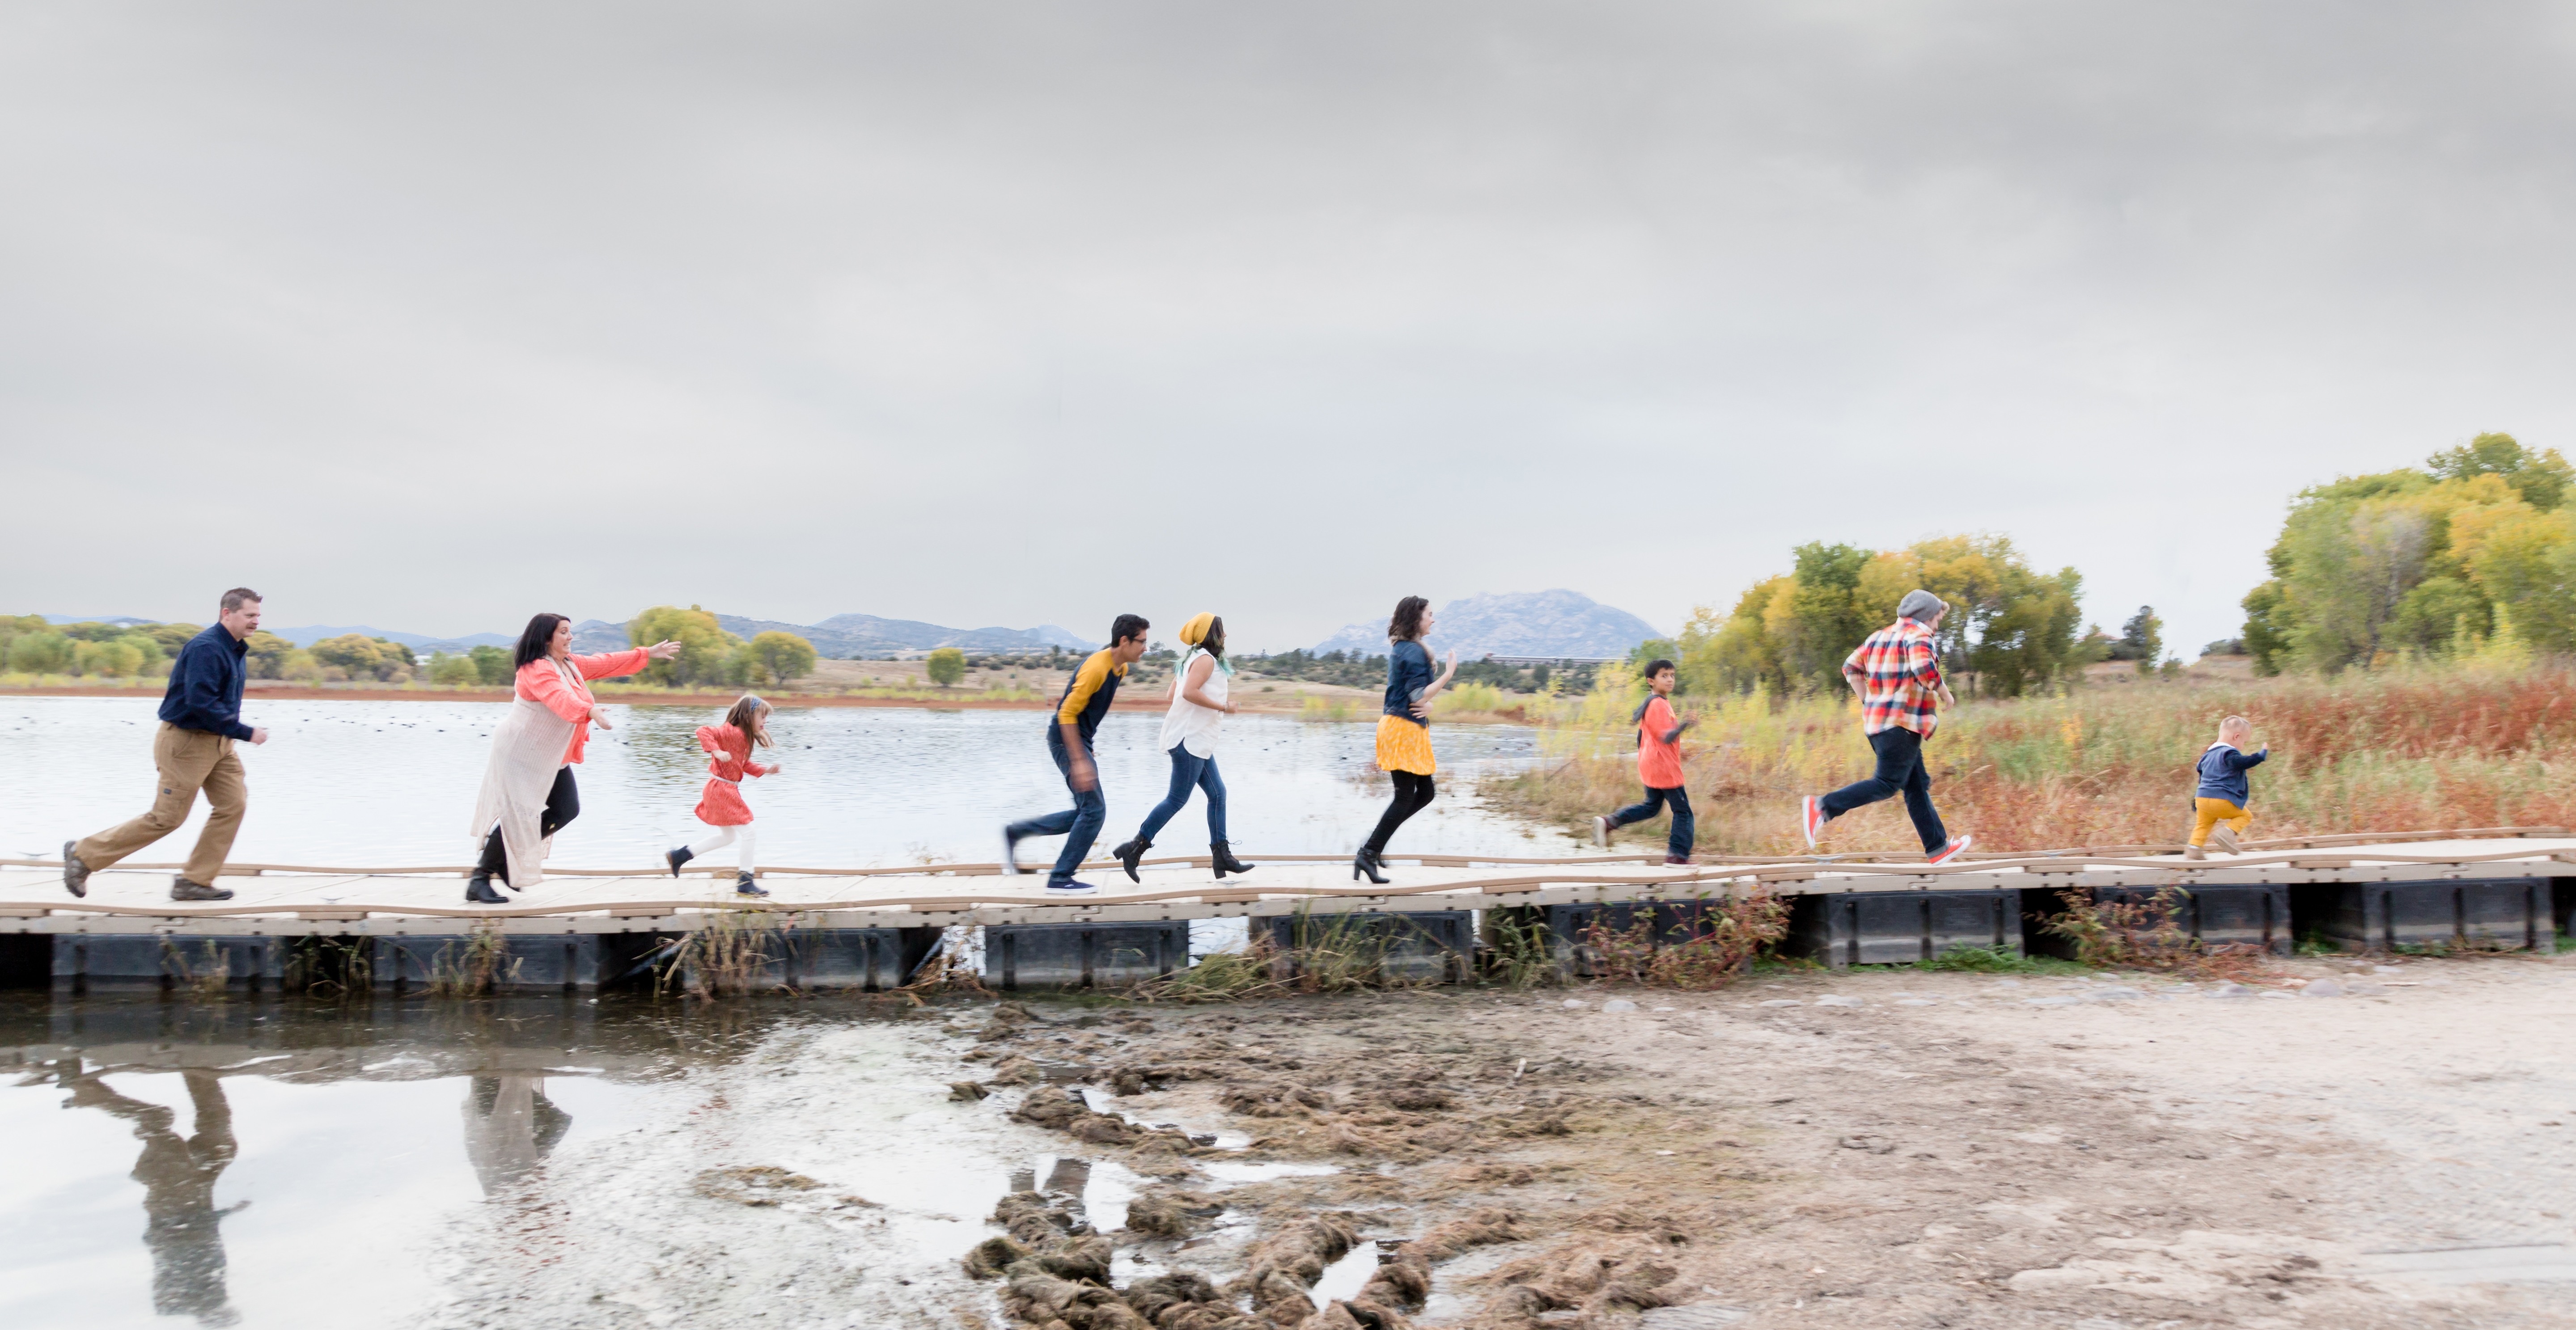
(527, 1162)
(391, 784)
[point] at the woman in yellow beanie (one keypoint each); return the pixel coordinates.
(1404, 732)
(1199, 705)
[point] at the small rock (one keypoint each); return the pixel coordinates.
(1839, 1000)
(2051, 1001)
(2007, 983)
(2114, 993)
(2388, 969)
(2360, 987)
(966, 1092)
(2229, 988)
(1658, 1009)
(2286, 997)
(2321, 988)
(1692, 1316)
(1784, 1002)
(1572, 1003)
(1618, 1004)
(1916, 1002)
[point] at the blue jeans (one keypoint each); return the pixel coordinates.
(1079, 825)
(1188, 771)
(1678, 844)
(1900, 771)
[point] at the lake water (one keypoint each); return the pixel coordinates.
(541, 1163)
(368, 783)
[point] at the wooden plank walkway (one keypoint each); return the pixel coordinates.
(287, 899)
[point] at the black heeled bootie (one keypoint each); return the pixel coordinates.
(1365, 863)
(1225, 862)
(677, 857)
(1128, 854)
(744, 886)
(479, 891)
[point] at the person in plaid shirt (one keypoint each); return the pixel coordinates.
(1898, 677)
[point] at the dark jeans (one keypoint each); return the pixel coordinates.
(1900, 771)
(563, 804)
(1677, 845)
(1079, 825)
(1412, 794)
(1188, 773)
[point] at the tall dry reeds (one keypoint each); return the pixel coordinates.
(2410, 748)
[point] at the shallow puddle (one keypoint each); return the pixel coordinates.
(540, 1162)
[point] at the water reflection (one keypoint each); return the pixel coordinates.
(182, 1228)
(510, 1127)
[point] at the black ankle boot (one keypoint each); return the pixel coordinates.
(1226, 863)
(1129, 853)
(479, 892)
(677, 857)
(1365, 862)
(744, 886)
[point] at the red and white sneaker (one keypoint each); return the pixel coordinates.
(1812, 812)
(1951, 850)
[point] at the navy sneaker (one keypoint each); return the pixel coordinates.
(1069, 887)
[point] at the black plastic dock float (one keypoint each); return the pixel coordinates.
(1082, 955)
(1428, 946)
(2497, 913)
(2250, 914)
(1568, 926)
(1901, 927)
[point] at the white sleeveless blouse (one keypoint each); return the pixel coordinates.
(1188, 724)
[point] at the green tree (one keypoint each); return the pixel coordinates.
(360, 656)
(172, 636)
(945, 666)
(2541, 478)
(114, 659)
(453, 671)
(266, 654)
(708, 654)
(40, 653)
(2267, 628)
(781, 658)
(2141, 639)
(492, 666)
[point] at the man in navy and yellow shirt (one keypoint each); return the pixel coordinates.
(1077, 718)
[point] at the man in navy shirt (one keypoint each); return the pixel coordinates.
(200, 721)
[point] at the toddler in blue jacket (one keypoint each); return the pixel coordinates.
(2219, 803)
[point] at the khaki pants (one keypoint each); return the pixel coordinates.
(187, 761)
(2208, 813)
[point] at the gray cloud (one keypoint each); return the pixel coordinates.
(431, 316)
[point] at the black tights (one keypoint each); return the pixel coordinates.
(1412, 794)
(563, 804)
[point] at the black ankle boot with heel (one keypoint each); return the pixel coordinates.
(1222, 856)
(1365, 863)
(1130, 853)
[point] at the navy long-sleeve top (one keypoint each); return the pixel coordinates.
(1408, 671)
(206, 685)
(2222, 773)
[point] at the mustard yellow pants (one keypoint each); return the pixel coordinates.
(2214, 811)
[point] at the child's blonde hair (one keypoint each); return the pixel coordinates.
(2235, 724)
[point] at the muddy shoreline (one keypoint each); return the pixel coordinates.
(788, 699)
(1920, 1149)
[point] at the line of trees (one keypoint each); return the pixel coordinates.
(29, 645)
(2010, 625)
(711, 656)
(2476, 546)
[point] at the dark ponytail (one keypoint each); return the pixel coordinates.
(1406, 625)
(538, 641)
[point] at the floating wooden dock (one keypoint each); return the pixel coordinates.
(867, 928)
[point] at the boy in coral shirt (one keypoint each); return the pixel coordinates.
(1659, 765)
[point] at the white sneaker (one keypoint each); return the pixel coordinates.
(2225, 836)
(1601, 832)
(1812, 815)
(1010, 865)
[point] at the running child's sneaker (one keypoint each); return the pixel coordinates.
(1601, 832)
(1812, 813)
(1069, 887)
(2225, 836)
(1951, 850)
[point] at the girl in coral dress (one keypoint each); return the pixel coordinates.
(728, 747)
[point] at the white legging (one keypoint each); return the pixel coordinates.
(739, 837)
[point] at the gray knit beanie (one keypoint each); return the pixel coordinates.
(1920, 605)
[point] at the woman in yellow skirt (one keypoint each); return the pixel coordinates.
(1404, 732)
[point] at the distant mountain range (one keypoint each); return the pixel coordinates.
(843, 636)
(1521, 623)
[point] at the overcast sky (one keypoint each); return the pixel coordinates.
(431, 316)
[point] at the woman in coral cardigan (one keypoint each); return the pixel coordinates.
(528, 793)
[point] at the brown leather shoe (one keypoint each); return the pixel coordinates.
(181, 889)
